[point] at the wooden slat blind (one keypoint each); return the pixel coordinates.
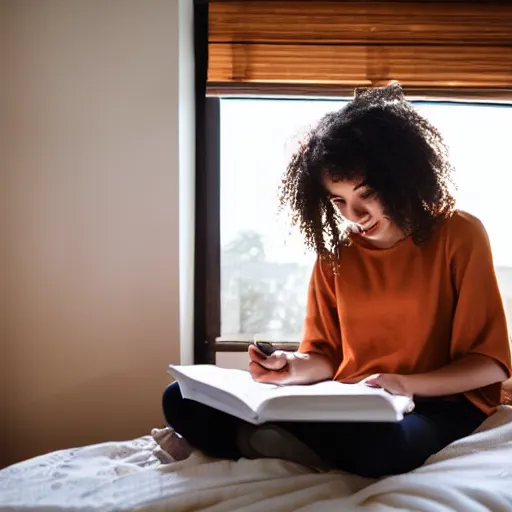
(312, 47)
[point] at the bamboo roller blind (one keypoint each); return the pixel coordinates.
(317, 46)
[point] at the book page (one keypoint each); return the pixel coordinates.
(327, 388)
(331, 388)
(238, 383)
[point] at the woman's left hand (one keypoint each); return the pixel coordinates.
(391, 382)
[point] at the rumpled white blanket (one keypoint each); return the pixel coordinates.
(471, 475)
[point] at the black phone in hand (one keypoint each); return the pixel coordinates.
(266, 347)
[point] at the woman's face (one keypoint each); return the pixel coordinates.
(360, 205)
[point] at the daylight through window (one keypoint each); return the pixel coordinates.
(264, 267)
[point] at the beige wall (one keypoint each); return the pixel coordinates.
(97, 143)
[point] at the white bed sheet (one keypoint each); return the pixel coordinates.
(471, 475)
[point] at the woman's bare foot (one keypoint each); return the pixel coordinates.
(171, 446)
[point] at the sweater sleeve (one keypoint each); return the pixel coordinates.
(322, 334)
(479, 324)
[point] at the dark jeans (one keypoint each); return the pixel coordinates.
(367, 449)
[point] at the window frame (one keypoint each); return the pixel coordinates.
(207, 282)
(207, 234)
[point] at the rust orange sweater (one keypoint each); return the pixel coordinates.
(410, 309)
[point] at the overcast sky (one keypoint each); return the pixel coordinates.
(257, 137)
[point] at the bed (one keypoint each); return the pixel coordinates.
(474, 474)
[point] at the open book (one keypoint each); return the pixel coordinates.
(236, 393)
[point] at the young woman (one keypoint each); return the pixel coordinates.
(403, 295)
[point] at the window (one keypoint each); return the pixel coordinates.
(264, 268)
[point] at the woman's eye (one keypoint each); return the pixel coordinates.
(368, 194)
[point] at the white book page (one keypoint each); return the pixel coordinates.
(238, 383)
(324, 390)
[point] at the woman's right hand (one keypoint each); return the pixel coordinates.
(284, 368)
(272, 369)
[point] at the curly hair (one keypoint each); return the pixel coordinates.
(380, 139)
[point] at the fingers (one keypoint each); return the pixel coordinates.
(256, 354)
(271, 369)
(256, 370)
(260, 374)
(277, 361)
(373, 380)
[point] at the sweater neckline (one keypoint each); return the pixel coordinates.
(368, 247)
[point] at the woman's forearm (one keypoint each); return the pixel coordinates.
(309, 368)
(471, 372)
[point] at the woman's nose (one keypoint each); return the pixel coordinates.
(356, 214)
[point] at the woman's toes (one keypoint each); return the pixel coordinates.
(176, 446)
(158, 433)
(171, 446)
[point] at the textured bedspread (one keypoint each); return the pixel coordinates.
(474, 474)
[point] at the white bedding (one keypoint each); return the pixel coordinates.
(471, 475)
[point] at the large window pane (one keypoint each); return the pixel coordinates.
(264, 267)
